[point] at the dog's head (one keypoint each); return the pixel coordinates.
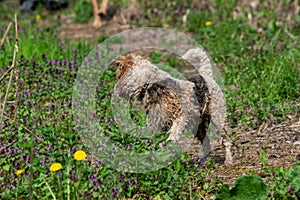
(126, 62)
(133, 74)
(123, 64)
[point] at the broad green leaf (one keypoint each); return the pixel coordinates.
(245, 187)
(6, 167)
(223, 193)
(294, 177)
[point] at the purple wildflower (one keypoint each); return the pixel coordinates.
(86, 61)
(59, 174)
(148, 141)
(74, 53)
(43, 161)
(115, 193)
(73, 149)
(133, 181)
(270, 195)
(43, 56)
(128, 147)
(36, 155)
(67, 62)
(94, 180)
(26, 158)
(63, 116)
(27, 93)
(87, 194)
(96, 55)
(49, 147)
(73, 176)
(47, 170)
(12, 107)
(24, 140)
(291, 190)
(122, 176)
(172, 151)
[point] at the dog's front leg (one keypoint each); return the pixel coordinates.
(176, 130)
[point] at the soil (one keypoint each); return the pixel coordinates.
(281, 142)
(116, 22)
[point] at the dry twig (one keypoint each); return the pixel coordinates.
(5, 73)
(22, 126)
(5, 34)
(10, 144)
(15, 64)
(11, 73)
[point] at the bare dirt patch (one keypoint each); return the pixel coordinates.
(117, 22)
(280, 142)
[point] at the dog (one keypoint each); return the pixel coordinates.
(182, 108)
(99, 12)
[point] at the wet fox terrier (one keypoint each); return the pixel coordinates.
(179, 107)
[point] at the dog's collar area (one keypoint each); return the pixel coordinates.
(146, 85)
(140, 93)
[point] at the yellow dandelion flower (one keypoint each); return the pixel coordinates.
(20, 171)
(38, 17)
(79, 155)
(208, 23)
(55, 167)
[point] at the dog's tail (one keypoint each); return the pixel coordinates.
(200, 60)
(217, 105)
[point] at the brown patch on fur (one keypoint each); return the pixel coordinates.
(125, 63)
(167, 99)
(171, 104)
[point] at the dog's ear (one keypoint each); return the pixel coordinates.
(123, 64)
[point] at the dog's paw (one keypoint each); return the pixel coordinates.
(97, 23)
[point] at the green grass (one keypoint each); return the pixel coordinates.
(261, 78)
(261, 69)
